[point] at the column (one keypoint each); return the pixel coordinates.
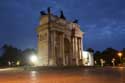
(72, 51)
(61, 47)
(81, 49)
(60, 50)
(78, 48)
(80, 52)
(63, 54)
(51, 48)
(53, 56)
(53, 41)
(76, 51)
(73, 47)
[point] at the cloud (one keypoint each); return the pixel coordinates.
(102, 20)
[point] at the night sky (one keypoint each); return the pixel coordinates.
(103, 21)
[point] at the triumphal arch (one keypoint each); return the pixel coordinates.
(59, 41)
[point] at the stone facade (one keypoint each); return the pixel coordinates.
(59, 42)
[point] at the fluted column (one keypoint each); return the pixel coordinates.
(76, 51)
(80, 46)
(63, 54)
(81, 49)
(72, 50)
(73, 53)
(62, 62)
(80, 52)
(54, 42)
(52, 60)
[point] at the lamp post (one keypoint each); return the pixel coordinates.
(120, 55)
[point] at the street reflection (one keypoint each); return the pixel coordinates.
(33, 75)
(85, 75)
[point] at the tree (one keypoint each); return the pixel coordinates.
(108, 54)
(11, 54)
(123, 57)
(90, 50)
(97, 57)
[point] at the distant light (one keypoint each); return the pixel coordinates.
(119, 54)
(18, 63)
(33, 59)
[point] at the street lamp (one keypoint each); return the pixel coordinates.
(33, 59)
(120, 55)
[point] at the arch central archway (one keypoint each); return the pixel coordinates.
(67, 51)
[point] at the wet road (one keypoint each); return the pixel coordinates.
(84, 75)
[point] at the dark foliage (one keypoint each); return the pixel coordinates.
(12, 55)
(108, 54)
